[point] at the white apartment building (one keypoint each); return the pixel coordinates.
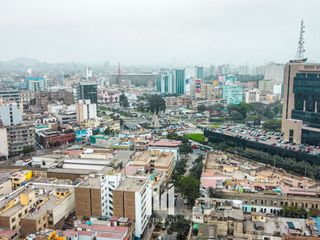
(4, 148)
(86, 110)
(252, 95)
(10, 113)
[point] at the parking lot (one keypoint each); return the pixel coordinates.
(265, 137)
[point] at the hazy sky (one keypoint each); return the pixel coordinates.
(158, 31)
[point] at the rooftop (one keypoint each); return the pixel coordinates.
(165, 143)
(132, 184)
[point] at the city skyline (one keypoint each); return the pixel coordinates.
(233, 32)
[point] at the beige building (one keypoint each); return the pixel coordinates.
(301, 105)
(86, 110)
(94, 197)
(19, 137)
(35, 210)
(5, 184)
(155, 160)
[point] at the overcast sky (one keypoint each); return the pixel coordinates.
(158, 31)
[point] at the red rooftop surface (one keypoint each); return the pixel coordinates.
(110, 235)
(103, 228)
(7, 233)
(165, 143)
(74, 152)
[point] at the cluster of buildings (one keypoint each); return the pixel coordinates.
(108, 192)
(224, 219)
(223, 89)
(242, 199)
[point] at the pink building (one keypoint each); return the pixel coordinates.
(212, 179)
(108, 96)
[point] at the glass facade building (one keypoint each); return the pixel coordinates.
(171, 81)
(301, 108)
(87, 91)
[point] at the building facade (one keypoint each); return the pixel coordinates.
(94, 197)
(4, 148)
(87, 90)
(301, 107)
(54, 138)
(252, 95)
(86, 110)
(232, 94)
(133, 199)
(20, 137)
(171, 81)
(10, 113)
(10, 95)
(35, 84)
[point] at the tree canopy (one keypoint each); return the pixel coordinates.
(189, 186)
(123, 100)
(272, 125)
(156, 103)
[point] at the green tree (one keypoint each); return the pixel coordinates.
(179, 170)
(272, 125)
(236, 116)
(258, 108)
(108, 131)
(189, 186)
(254, 119)
(197, 168)
(156, 103)
(123, 100)
(27, 149)
(242, 108)
(185, 148)
(293, 212)
(178, 224)
(216, 108)
(201, 108)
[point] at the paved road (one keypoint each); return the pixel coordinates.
(179, 207)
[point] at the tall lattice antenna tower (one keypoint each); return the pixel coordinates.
(119, 74)
(300, 49)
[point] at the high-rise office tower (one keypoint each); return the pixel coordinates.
(35, 84)
(200, 72)
(171, 81)
(87, 90)
(179, 80)
(301, 105)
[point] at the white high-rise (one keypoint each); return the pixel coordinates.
(10, 113)
(274, 71)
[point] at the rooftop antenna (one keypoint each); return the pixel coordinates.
(300, 49)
